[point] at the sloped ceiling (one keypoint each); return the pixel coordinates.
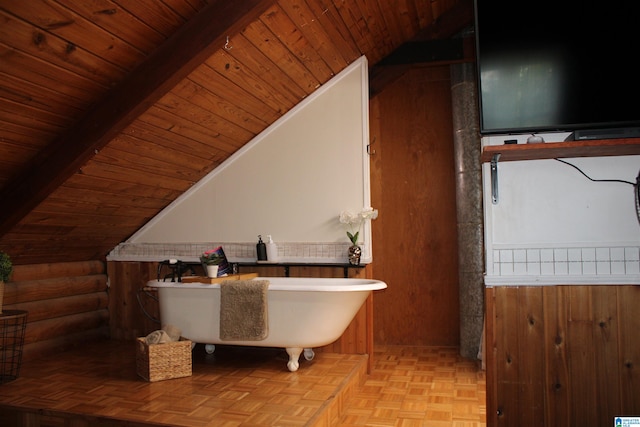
(110, 109)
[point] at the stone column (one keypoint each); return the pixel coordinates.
(467, 149)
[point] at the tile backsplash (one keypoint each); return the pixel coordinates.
(235, 252)
(576, 262)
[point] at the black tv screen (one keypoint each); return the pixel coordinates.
(557, 65)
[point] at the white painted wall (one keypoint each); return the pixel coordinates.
(292, 181)
(550, 218)
(547, 202)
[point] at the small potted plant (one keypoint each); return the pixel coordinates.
(355, 221)
(6, 267)
(210, 261)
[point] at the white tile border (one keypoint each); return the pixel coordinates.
(579, 265)
(309, 253)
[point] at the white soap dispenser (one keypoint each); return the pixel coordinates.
(272, 250)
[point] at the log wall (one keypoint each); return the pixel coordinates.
(562, 355)
(66, 304)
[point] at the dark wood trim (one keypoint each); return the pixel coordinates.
(551, 150)
(425, 51)
(286, 266)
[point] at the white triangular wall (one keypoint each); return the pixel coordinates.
(292, 181)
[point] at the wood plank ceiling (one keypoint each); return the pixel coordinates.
(110, 109)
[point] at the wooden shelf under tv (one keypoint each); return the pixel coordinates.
(551, 150)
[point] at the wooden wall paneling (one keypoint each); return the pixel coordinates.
(379, 269)
(415, 244)
(629, 357)
(117, 300)
(606, 331)
(266, 270)
(490, 352)
(575, 358)
(580, 347)
(530, 331)
(368, 326)
(312, 271)
(557, 392)
(376, 153)
(128, 319)
(358, 336)
(507, 360)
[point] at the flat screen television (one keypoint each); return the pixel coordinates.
(558, 65)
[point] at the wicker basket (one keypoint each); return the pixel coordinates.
(158, 362)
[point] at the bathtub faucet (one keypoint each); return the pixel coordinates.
(177, 268)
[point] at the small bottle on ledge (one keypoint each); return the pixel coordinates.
(261, 249)
(272, 250)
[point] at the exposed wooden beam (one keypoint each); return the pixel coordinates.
(429, 46)
(416, 52)
(453, 21)
(188, 48)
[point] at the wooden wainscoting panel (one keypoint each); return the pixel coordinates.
(581, 350)
(530, 332)
(555, 353)
(605, 348)
(562, 355)
(507, 360)
(491, 356)
(131, 311)
(629, 344)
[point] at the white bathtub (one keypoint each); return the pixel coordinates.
(302, 312)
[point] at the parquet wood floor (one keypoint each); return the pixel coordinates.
(239, 386)
(419, 387)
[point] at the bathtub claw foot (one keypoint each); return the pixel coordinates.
(209, 348)
(294, 355)
(309, 354)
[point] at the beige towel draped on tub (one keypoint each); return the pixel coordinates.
(243, 310)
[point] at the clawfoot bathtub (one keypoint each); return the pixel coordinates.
(303, 313)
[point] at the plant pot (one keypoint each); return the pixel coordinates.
(212, 270)
(354, 254)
